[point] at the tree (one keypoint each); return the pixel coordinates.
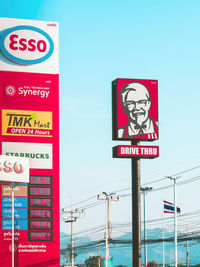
(152, 264)
(93, 261)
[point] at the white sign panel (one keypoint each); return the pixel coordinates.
(14, 169)
(28, 46)
(39, 154)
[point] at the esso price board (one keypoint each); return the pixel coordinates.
(29, 107)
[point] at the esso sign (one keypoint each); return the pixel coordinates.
(26, 45)
(8, 167)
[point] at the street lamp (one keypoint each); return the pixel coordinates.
(144, 191)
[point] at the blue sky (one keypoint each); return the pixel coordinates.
(104, 40)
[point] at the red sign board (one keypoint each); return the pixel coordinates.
(135, 109)
(29, 128)
(136, 151)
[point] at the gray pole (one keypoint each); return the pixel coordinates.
(163, 236)
(72, 240)
(175, 222)
(72, 220)
(144, 190)
(175, 226)
(145, 247)
(136, 211)
(108, 198)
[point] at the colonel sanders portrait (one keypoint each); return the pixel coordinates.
(136, 102)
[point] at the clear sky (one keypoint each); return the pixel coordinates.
(99, 42)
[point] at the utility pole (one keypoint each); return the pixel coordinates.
(99, 259)
(144, 191)
(72, 219)
(108, 198)
(67, 257)
(187, 251)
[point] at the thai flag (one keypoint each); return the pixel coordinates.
(169, 207)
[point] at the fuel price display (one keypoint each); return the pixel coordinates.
(40, 225)
(40, 191)
(40, 214)
(40, 180)
(41, 202)
(40, 236)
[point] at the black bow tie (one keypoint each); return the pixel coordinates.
(141, 128)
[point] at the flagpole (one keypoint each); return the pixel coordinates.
(163, 239)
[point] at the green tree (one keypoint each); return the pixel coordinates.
(152, 264)
(93, 261)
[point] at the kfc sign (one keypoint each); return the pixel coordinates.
(26, 45)
(135, 109)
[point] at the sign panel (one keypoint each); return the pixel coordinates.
(18, 225)
(26, 123)
(19, 213)
(26, 90)
(14, 170)
(29, 46)
(29, 129)
(19, 202)
(19, 191)
(109, 262)
(39, 154)
(136, 151)
(135, 109)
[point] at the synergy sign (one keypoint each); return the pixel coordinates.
(26, 123)
(26, 45)
(29, 101)
(26, 90)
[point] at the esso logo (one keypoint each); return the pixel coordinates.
(26, 45)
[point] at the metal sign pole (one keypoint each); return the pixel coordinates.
(13, 229)
(136, 211)
(12, 186)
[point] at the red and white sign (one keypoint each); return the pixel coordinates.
(136, 151)
(26, 91)
(29, 128)
(14, 170)
(135, 109)
(29, 46)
